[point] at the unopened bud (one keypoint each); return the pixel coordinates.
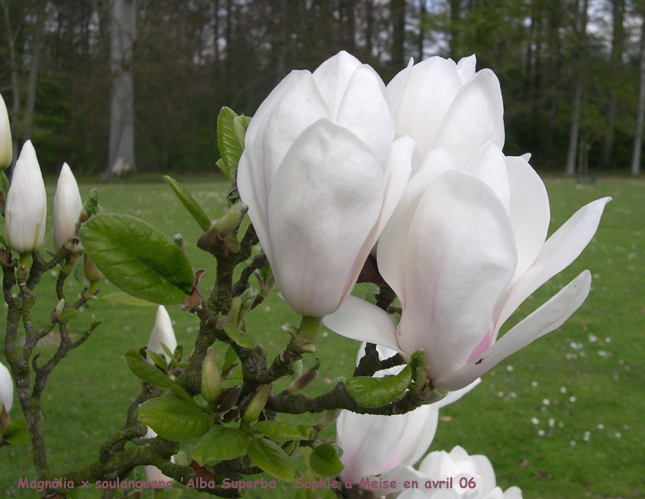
(60, 306)
(234, 311)
(91, 271)
(257, 403)
(329, 418)
(302, 381)
(231, 220)
(211, 386)
(6, 145)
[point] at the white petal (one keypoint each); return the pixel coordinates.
(332, 78)
(420, 429)
(363, 454)
(427, 95)
(6, 145)
(396, 85)
(475, 117)
(460, 256)
(490, 166)
(162, 332)
(513, 493)
(545, 319)
(67, 207)
(466, 68)
(394, 239)
(326, 198)
(400, 475)
(530, 212)
(562, 248)
(365, 111)
(456, 395)
(6, 389)
(362, 321)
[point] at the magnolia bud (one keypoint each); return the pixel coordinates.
(6, 146)
(162, 332)
(26, 208)
(257, 403)
(329, 418)
(231, 220)
(302, 381)
(6, 388)
(211, 387)
(67, 207)
(91, 271)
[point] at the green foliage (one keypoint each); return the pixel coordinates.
(267, 456)
(324, 460)
(375, 392)
(282, 432)
(138, 258)
(174, 419)
(189, 203)
(17, 433)
(231, 129)
(222, 443)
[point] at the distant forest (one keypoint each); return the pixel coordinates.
(571, 71)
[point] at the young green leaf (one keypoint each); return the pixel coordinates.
(138, 258)
(189, 203)
(222, 443)
(174, 419)
(242, 339)
(68, 315)
(240, 124)
(282, 432)
(126, 299)
(324, 460)
(267, 456)
(227, 142)
(17, 433)
(376, 392)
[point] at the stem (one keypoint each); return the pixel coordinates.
(309, 327)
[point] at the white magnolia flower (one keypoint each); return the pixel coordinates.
(372, 444)
(6, 145)
(6, 389)
(67, 207)
(321, 176)
(26, 208)
(473, 477)
(154, 474)
(162, 332)
(466, 244)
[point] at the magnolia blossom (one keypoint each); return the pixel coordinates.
(459, 466)
(26, 208)
(6, 145)
(162, 332)
(6, 389)
(467, 243)
(67, 207)
(373, 444)
(321, 175)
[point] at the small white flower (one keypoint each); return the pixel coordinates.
(67, 207)
(546, 401)
(535, 421)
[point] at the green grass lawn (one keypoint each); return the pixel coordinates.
(562, 418)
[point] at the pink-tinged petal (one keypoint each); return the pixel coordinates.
(530, 212)
(489, 165)
(545, 319)
(359, 320)
(366, 441)
(475, 117)
(365, 111)
(562, 248)
(394, 239)
(466, 68)
(326, 198)
(332, 78)
(425, 98)
(460, 256)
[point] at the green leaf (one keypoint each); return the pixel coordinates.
(333, 384)
(324, 460)
(17, 433)
(227, 142)
(152, 375)
(68, 315)
(138, 258)
(126, 299)
(189, 203)
(159, 360)
(376, 392)
(416, 363)
(267, 456)
(230, 358)
(282, 432)
(240, 124)
(91, 205)
(242, 339)
(171, 355)
(79, 276)
(174, 419)
(220, 443)
(5, 185)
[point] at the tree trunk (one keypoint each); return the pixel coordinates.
(15, 89)
(455, 14)
(570, 168)
(397, 13)
(638, 139)
(422, 22)
(122, 36)
(28, 117)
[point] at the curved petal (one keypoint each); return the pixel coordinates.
(400, 474)
(396, 85)
(562, 248)
(332, 78)
(466, 68)
(394, 239)
(365, 111)
(475, 117)
(545, 319)
(6, 389)
(460, 256)
(363, 454)
(359, 320)
(530, 212)
(428, 92)
(326, 198)
(490, 166)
